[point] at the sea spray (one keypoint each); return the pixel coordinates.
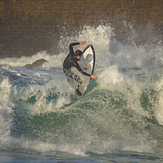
(119, 112)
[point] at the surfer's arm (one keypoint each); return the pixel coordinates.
(71, 47)
(81, 71)
(73, 44)
(84, 73)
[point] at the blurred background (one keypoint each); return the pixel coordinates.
(30, 26)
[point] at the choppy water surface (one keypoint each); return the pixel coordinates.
(119, 119)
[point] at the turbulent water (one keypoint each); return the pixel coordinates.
(119, 119)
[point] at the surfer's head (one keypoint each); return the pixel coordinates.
(78, 54)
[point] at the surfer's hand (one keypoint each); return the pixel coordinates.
(93, 77)
(82, 43)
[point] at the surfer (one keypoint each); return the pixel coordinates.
(71, 61)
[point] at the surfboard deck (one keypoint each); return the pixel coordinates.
(87, 63)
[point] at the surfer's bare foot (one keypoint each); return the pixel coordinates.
(82, 43)
(93, 77)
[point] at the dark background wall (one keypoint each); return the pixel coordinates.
(30, 26)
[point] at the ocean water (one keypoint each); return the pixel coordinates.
(119, 119)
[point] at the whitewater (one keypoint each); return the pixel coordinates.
(118, 119)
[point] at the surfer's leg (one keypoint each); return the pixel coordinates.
(77, 78)
(73, 76)
(79, 82)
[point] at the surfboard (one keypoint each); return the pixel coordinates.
(87, 63)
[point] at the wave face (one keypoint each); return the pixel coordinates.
(121, 110)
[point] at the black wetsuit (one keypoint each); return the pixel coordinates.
(69, 62)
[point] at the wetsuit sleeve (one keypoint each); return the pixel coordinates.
(81, 71)
(71, 47)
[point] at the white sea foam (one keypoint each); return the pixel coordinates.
(5, 111)
(113, 116)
